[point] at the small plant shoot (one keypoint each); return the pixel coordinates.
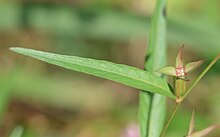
(180, 77)
(130, 76)
(180, 74)
(154, 86)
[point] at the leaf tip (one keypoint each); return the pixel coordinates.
(193, 65)
(179, 58)
(24, 51)
(168, 71)
(16, 49)
(13, 48)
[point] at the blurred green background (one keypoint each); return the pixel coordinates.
(41, 100)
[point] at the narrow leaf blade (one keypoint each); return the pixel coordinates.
(179, 58)
(123, 74)
(192, 123)
(168, 71)
(205, 132)
(201, 75)
(193, 65)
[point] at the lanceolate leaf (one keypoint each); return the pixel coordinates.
(168, 71)
(193, 65)
(201, 75)
(179, 58)
(192, 124)
(123, 74)
(201, 133)
(204, 132)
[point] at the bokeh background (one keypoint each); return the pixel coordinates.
(42, 100)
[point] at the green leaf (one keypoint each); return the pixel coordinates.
(204, 132)
(201, 133)
(193, 65)
(145, 100)
(179, 58)
(192, 124)
(123, 74)
(201, 75)
(168, 71)
(152, 113)
(157, 115)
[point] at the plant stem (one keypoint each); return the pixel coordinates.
(201, 76)
(170, 119)
(187, 92)
(152, 107)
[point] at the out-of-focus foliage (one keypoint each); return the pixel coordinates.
(50, 101)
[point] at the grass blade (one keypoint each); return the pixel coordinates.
(123, 74)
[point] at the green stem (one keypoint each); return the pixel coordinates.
(201, 76)
(152, 107)
(169, 120)
(187, 92)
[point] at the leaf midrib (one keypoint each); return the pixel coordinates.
(127, 76)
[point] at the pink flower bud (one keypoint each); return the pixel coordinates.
(180, 72)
